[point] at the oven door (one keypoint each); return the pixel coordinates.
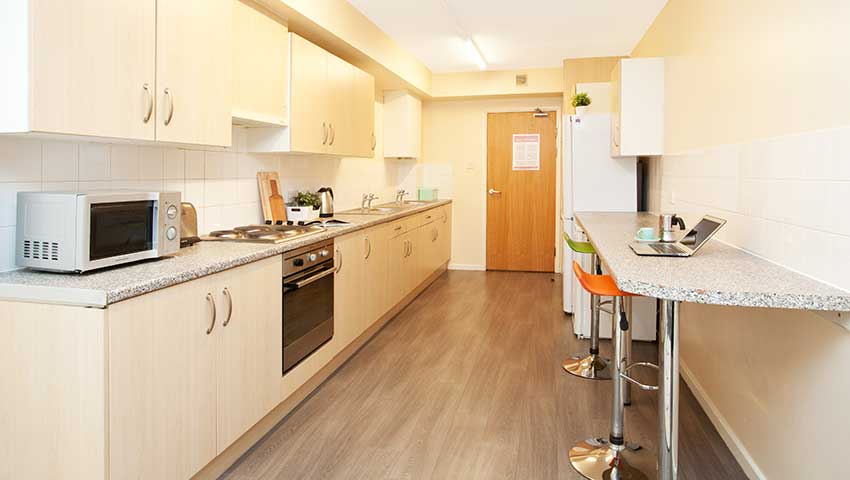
(308, 313)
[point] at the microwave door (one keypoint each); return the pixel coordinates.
(121, 228)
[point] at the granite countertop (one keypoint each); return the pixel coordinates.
(718, 274)
(103, 287)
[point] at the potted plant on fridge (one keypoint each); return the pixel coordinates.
(580, 101)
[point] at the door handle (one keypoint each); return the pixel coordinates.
(493, 192)
(170, 97)
(147, 88)
(226, 293)
(211, 301)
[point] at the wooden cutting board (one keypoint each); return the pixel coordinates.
(271, 199)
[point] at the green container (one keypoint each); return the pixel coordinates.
(427, 194)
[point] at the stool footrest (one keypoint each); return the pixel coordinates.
(624, 375)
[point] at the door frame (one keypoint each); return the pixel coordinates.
(558, 178)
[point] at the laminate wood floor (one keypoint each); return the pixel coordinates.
(466, 383)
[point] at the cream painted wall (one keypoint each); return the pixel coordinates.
(454, 137)
(738, 70)
(585, 70)
(758, 132)
(541, 81)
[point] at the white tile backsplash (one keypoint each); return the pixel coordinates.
(786, 198)
(220, 183)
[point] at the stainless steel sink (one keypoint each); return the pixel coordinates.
(372, 211)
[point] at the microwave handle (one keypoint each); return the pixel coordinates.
(307, 281)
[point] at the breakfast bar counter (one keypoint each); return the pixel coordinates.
(717, 274)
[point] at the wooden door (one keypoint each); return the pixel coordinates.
(162, 383)
(250, 359)
(521, 195)
(349, 306)
(377, 259)
(91, 76)
(309, 97)
(364, 114)
(341, 108)
(194, 63)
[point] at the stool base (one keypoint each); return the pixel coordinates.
(596, 459)
(591, 366)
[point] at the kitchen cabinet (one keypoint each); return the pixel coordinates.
(191, 368)
(194, 71)
(331, 107)
(69, 72)
(637, 104)
(402, 125)
(375, 274)
(444, 235)
(260, 68)
(349, 308)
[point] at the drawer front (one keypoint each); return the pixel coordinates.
(400, 227)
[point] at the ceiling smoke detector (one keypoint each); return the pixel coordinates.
(522, 80)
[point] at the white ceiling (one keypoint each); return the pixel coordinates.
(515, 34)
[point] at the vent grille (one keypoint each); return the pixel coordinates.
(37, 250)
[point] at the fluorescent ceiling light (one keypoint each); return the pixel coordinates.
(475, 54)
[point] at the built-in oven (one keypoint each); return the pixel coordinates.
(308, 301)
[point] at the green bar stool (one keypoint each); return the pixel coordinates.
(589, 365)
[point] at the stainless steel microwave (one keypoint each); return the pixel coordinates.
(78, 232)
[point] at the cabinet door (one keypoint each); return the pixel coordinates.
(349, 307)
(341, 107)
(364, 139)
(398, 278)
(194, 64)
(444, 240)
(89, 75)
(250, 357)
(376, 261)
(260, 67)
(308, 122)
(162, 383)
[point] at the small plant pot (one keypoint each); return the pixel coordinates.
(581, 110)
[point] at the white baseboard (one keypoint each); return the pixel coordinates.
(739, 451)
(461, 266)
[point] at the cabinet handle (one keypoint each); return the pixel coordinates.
(427, 217)
(374, 141)
(445, 217)
(369, 248)
(170, 97)
(211, 301)
(226, 293)
(147, 116)
(435, 235)
(397, 228)
(325, 129)
(339, 256)
(333, 134)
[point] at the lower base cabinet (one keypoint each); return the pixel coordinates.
(191, 368)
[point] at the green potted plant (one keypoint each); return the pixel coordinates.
(580, 101)
(303, 207)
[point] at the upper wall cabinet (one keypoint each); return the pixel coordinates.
(402, 125)
(157, 70)
(637, 104)
(332, 107)
(260, 68)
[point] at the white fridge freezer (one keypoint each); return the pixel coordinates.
(594, 181)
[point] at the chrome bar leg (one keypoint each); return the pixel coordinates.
(617, 410)
(627, 347)
(668, 391)
(591, 366)
(596, 458)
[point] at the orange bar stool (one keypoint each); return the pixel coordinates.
(597, 458)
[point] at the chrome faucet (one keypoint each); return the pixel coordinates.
(399, 196)
(366, 202)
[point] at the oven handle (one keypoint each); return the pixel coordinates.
(307, 281)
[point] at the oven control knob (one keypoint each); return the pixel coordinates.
(312, 257)
(171, 233)
(171, 211)
(298, 262)
(324, 253)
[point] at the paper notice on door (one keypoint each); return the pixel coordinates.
(526, 154)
